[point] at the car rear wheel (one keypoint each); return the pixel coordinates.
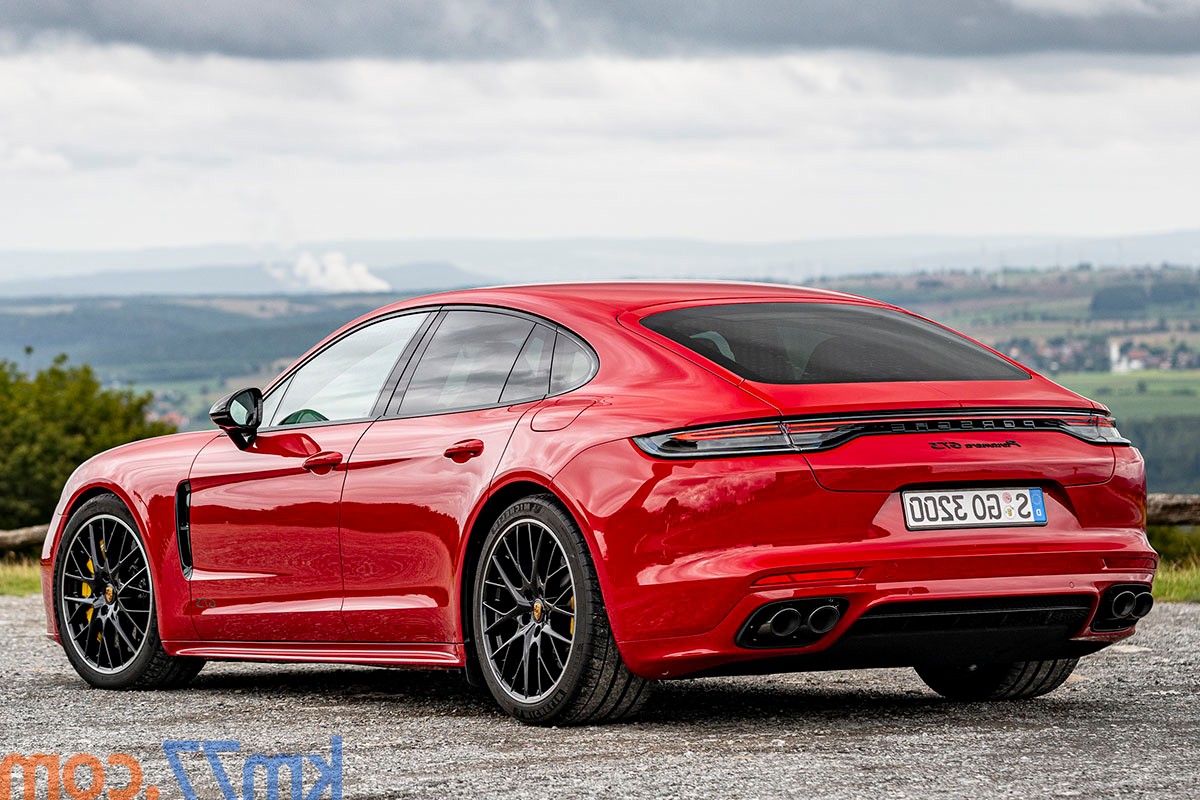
(1012, 681)
(540, 629)
(104, 603)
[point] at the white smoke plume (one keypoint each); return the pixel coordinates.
(332, 272)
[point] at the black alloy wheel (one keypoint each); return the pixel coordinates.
(105, 592)
(528, 610)
(540, 632)
(104, 602)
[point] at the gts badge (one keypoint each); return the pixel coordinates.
(972, 445)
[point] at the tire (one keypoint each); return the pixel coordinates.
(533, 559)
(104, 600)
(1018, 680)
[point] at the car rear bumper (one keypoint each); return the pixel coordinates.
(687, 551)
(860, 640)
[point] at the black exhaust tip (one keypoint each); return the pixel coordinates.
(823, 619)
(792, 623)
(1123, 604)
(785, 622)
(1142, 605)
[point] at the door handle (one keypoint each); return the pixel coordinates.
(323, 462)
(464, 451)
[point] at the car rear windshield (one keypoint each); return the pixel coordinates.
(790, 343)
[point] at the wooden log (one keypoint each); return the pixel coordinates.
(23, 538)
(1173, 509)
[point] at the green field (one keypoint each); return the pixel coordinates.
(1178, 583)
(1140, 395)
(19, 577)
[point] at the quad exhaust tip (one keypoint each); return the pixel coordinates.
(1128, 604)
(823, 619)
(1121, 607)
(792, 623)
(1123, 603)
(1142, 605)
(788, 621)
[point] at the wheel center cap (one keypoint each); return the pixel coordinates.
(109, 593)
(538, 610)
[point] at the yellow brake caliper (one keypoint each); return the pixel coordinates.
(572, 615)
(87, 589)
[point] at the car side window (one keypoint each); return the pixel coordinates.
(572, 365)
(344, 380)
(467, 363)
(530, 376)
(273, 399)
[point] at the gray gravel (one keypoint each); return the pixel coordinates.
(1126, 725)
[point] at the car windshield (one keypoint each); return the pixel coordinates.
(810, 343)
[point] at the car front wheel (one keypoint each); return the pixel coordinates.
(104, 603)
(540, 629)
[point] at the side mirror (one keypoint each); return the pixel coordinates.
(239, 415)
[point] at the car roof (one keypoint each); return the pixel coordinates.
(612, 298)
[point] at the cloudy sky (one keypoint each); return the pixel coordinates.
(137, 123)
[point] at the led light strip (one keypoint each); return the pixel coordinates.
(808, 435)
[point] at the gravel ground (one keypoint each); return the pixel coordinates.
(1127, 724)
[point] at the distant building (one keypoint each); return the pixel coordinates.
(1131, 361)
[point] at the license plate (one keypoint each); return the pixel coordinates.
(973, 508)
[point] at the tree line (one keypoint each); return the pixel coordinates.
(53, 421)
(1171, 447)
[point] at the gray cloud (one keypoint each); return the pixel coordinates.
(491, 29)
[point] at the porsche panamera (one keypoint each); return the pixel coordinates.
(572, 491)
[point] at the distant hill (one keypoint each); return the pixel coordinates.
(421, 263)
(163, 339)
(243, 279)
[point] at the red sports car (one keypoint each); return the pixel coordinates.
(570, 491)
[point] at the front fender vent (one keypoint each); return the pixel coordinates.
(183, 526)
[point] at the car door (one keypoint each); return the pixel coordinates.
(417, 474)
(266, 562)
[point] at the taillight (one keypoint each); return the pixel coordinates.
(812, 435)
(770, 437)
(729, 440)
(809, 436)
(1093, 428)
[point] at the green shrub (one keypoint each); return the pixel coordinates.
(1177, 544)
(53, 422)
